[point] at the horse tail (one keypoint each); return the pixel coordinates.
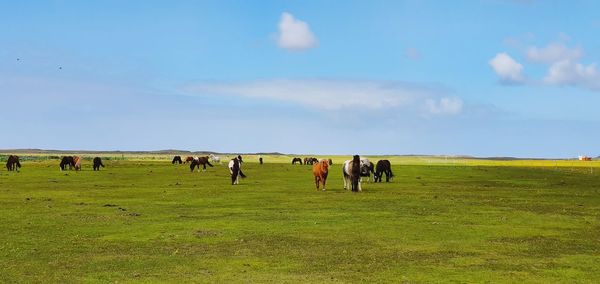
(242, 174)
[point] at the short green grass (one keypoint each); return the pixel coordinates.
(438, 221)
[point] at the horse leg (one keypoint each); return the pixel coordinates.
(317, 182)
(324, 181)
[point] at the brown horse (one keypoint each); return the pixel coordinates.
(188, 159)
(200, 161)
(12, 164)
(320, 171)
(66, 161)
(296, 160)
(77, 162)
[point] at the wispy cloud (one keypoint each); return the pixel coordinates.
(553, 52)
(295, 34)
(327, 94)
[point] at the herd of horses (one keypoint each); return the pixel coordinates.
(353, 170)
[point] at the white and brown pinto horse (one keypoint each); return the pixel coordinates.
(320, 171)
(197, 161)
(235, 169)
(351, 170)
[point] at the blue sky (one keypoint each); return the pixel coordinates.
(484, 78)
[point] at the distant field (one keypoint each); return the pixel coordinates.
(141, 219)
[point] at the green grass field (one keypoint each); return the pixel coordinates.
(440, 220)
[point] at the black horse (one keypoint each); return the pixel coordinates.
(383, 167)
(13, 164)
(176, 159)
(67, 161)
(260, 160)
(97, 163)
(295, 160)
(200, 161)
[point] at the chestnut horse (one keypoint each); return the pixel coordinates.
(77, 162)
(196, 162)
(188, 159)
(12, 164)
(320, 171)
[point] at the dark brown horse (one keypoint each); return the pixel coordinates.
(188, 159)
(296, 160)
(97, 163)
(200, 161)
(235, 168)
(13, 164)
(176, 159)
(383, 167)
(67, 161)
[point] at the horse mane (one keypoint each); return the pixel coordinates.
(355, 172)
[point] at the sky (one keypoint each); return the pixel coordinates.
(482, 78)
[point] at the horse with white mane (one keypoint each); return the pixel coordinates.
(214, 159)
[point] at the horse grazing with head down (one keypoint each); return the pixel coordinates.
(366, 168)
(320, 171)
(77, 162)
(296, 160)
(97, 162)
(383, 167)
(351, 171)
(66, 161)
(196, 162)
(176, 160)
(235, 169)
(13, 164)
(188, 159)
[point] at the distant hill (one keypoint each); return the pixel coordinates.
(157, 152)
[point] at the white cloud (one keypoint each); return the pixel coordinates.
(569, 73)
(326, 94)
(553, 52)
(295, 34)
(444, 105)
(509, 70)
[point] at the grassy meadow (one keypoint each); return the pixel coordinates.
(141, 219)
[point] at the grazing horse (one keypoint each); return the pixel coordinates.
(310, 161)
(383, 167)
(77, 162)
(188, 159)
(98, 162)
(330, 162)
(196, 162)
(235, 168)
(13, 164)
(351, 170)
(320, 171)
(366, 168)
(214, 158)
(176, 159)
(66, 161)
(294, 160)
